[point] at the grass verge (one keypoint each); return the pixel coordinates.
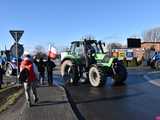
(11, 99)
(4, 88)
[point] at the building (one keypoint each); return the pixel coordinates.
(147, 50)
(149, 45)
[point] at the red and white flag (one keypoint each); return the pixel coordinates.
(52, 52)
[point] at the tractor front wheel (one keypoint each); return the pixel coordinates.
(96, 76)
(69, 72)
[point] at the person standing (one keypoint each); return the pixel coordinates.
(30, 83)
(50, 65)
(41, 70)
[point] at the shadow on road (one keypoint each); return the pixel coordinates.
(113, 98)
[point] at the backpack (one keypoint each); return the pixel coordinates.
(23, 76)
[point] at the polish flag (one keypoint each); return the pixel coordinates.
(52, 52)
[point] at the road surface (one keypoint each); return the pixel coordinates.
(137, 99)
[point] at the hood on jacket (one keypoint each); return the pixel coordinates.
(26, 61)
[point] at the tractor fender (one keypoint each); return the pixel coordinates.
(99, 66)
(73, 61)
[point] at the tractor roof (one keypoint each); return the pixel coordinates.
(90, 41)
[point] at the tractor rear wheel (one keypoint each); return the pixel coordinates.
(96, 76)
(119, 74)
(157, 65)
(69, 72)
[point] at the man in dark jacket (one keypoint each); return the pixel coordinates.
(41, 70)
(50, 65)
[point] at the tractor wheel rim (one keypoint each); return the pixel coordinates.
(94, 77)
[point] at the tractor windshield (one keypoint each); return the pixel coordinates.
(96, 47)
(72, 48)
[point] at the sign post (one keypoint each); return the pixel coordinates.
(16, 34)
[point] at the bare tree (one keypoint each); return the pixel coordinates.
(114, 45)
(152, 35)
(111, 46)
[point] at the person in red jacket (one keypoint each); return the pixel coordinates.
(30, 82)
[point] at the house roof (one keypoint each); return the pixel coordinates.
(150, 42)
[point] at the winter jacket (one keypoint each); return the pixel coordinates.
(50, 65)
(41, 66)
(27, 63)
(36, 71)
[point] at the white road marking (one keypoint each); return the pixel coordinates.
(147, 78)
(154, 82)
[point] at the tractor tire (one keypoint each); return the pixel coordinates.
(153, 65)
(96, 76)
(120, 74)
(9, 70)
(157, 65)
(69, 72)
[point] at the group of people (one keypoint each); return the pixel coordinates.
(42, 66)
(32, 71)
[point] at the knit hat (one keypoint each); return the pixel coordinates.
(26, 53)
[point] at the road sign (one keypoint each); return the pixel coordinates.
(134, 42)
(16, 34)
(129, 54)
(20, 49)
(121, 55)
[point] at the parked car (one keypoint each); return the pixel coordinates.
(155, 61)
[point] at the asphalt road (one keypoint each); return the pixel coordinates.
(138, 99)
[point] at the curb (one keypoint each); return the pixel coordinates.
(73, 105)
(70, 102)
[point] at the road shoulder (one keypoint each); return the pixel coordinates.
(53, 105)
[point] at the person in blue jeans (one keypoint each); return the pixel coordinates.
(41, 69)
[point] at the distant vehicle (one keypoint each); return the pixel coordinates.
(10, 60)
(11, 66)
(2, 61)
(155, 61)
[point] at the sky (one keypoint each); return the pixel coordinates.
(61, 21)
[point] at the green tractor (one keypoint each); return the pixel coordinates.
(87, 60)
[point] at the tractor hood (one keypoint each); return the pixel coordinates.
(99, 56)
(103, 59)
(68, 55)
